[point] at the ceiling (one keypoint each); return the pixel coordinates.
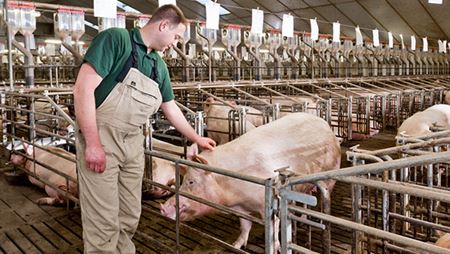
(407, 17)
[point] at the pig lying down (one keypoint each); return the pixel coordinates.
(299, 140)
(61, 164)
(419, 124)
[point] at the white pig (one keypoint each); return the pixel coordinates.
(63, 165)
(302, 141)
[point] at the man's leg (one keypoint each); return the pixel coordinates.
(130, 194)
(98, 194)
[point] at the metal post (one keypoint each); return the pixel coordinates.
(10, 38)
(276, 111)
(269, 210)
(349, 117)
(285, 225)
(242, 120)
(200, 123)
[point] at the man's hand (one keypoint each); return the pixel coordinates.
(206, 143)
(95, 158)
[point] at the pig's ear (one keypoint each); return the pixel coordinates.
(192, 151)
(29, 149)
(209, 100)
(199, 159)
(208, 103)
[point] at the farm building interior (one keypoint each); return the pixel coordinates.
(331, 120)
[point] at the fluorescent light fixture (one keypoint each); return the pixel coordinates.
(263, 51)
(89, 24)
(126, 7)
(56, 41)
(435, 1)
(223, 11)
(52, 41)
(218, 49)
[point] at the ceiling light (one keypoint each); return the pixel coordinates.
(56, 41)
(52, 41)
(435, 1)
(89, 24)
(126, 7)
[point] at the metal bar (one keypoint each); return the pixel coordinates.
(299, 197)
(375, 232)
(225, 172)
(10, 39)
(374, 168)
(268, 215)
(301, 249)
(250, 95)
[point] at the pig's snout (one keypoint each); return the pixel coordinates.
(169, 210)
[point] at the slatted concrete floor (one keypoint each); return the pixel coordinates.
(28, 228)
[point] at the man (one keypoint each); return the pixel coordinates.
(122, 82)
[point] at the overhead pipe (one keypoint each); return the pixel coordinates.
(10, 39)
(209, 54)
(29, 62)
(233, 53)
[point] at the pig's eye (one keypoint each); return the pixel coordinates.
(190, 182)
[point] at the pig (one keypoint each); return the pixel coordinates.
(447, 97)
(302, 141)
(419, 124)
(444, 241)
(61, 164)
(219, 128)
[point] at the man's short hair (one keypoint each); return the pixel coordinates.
(171, 13)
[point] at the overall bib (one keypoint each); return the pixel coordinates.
(111, 201)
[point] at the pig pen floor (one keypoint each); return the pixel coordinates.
(28, 228)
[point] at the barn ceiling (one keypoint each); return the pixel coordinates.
(407, 17)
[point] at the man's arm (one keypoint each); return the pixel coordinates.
(177, 119)
(84, 99)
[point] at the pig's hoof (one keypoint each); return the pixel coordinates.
(239, 243)
(46, 201)
(276, 247)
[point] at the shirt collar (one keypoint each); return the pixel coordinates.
(137, 38)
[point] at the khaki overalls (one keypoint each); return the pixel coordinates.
(111, 201)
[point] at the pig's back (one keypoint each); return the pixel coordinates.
(302, 141)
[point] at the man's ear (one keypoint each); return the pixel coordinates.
(164, 24)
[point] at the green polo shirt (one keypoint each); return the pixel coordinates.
(108, 53)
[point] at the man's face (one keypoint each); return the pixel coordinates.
(169, 35)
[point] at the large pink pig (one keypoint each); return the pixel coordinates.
(419, 124)
(299, 140)
(63, 165)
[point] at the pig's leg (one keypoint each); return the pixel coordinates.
(276, 231)
(53, 198)
(246, 225)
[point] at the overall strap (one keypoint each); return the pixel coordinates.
(131, 62)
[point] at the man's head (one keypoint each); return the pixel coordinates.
(170, 24)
